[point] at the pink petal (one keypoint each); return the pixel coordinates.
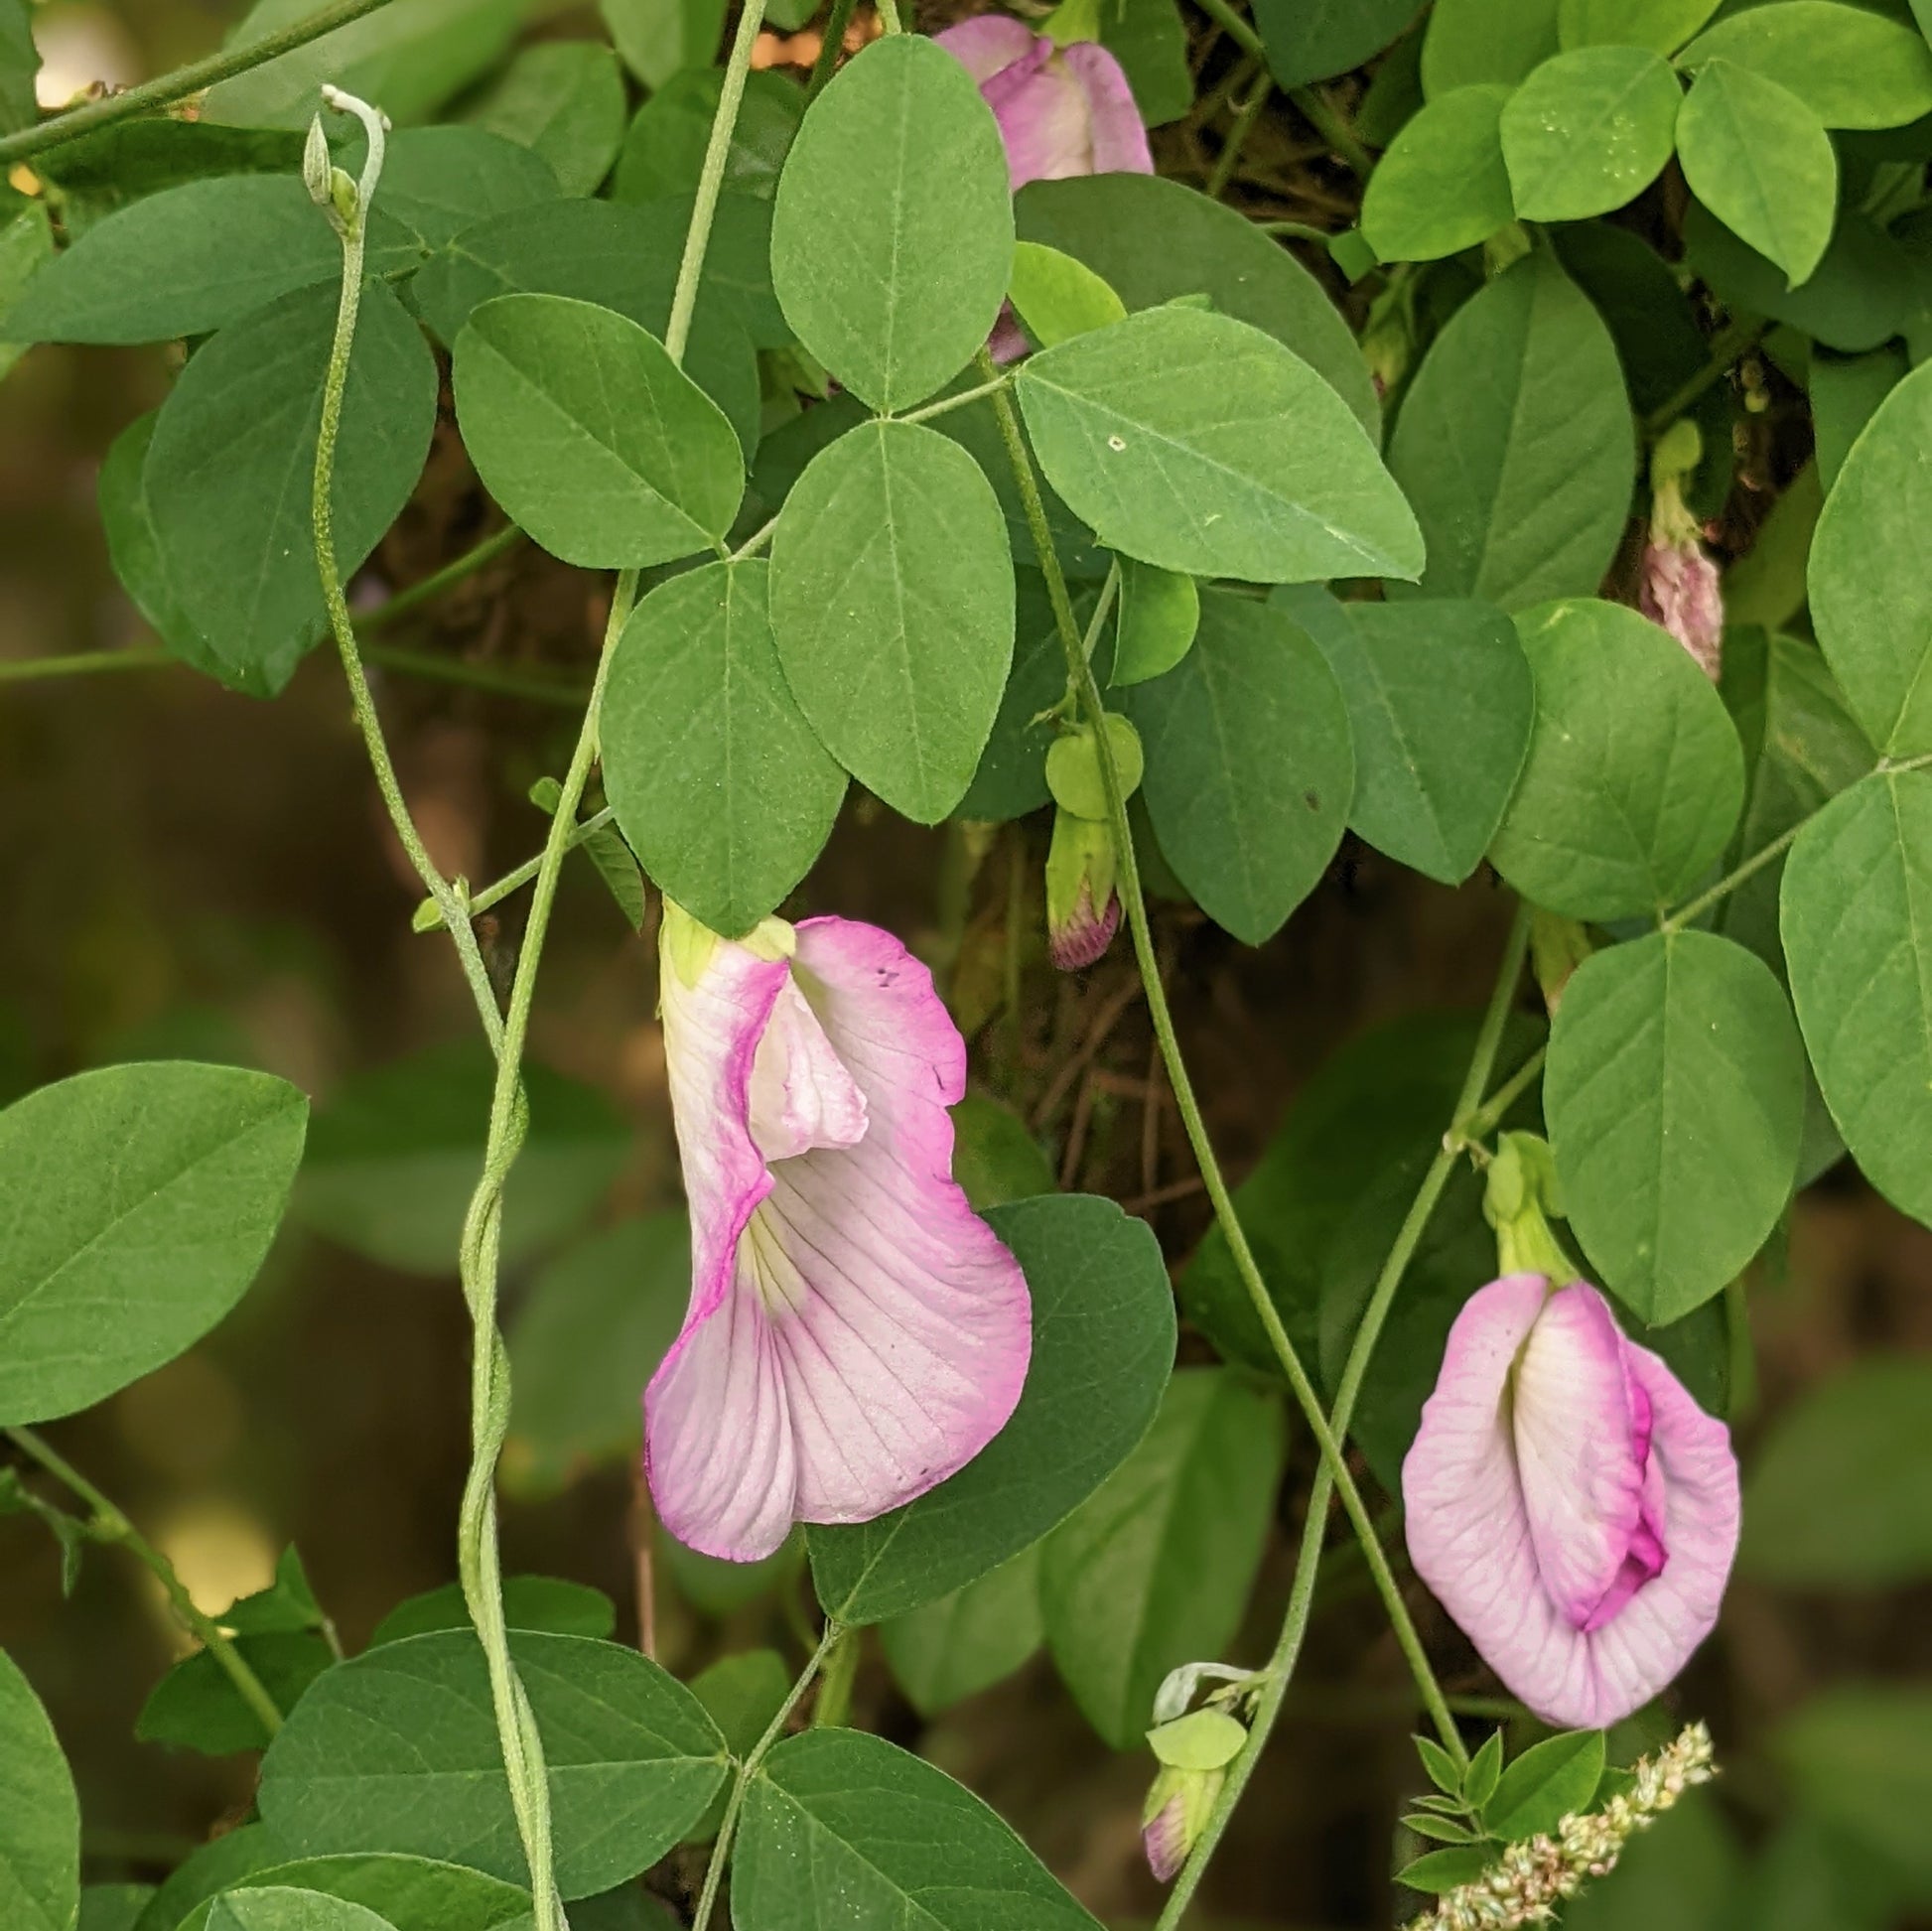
(1043, 118)
(984, 45)
(1119, 138)
(1476, 1537)
(856, 1332)
(1577, 1456)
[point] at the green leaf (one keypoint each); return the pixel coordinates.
(1766, 586)
(1515, 445)
(1440, 707)
(1546, 1782)
(1249, 770)
(40, 1818)
(1761, 160)
(20, 61)
(720, 784)
(1443, 186)
(212, 1868)
(1663, 26)
(133, 548)
(659, 39)
(953, 1648)
(1858, 296)
(892, 273)
(1057, 297)
(231, 469)
(1158, 1566)
(439, 182)
(663, 153)
(590, 436)
(283, 1909)
(892, 602)
(621, 258)
(1315, 40)
(1149, 41)
(286, 1605)
(397, 1750)
(1846, 392)
(1840, 1496)
(842, 1828)
(995, 1158)
(1160, 614)
(1154, 240)
(583, 1340)
(743, 1693)
(184, 263)
(1132, 426)
(564, 100)
(144, 1198)
(545, 1603)
(1803, 750)
(1869, 599)
(412, 1893)
(1474, 43)
(1858, 1757)
(113, 1908)
(25, 247)
(1440, 1870)
(1486, 1770)
(1588, 131)
(408, 56)
(1073, 774)
(1851, 66)
(396, 1152)
(1676, 1097)
(197, 1707)
(1103, 1347)
(125, 160)
(1858, 938)
(1634, 778)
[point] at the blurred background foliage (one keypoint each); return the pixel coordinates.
(185, 871)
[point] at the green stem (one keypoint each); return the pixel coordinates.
(435, 668)
(85, 663)
(836, 23)
(1189, 1107)
(714, 1876)
(1233, 24)
(1248, 115)
(1322, 115)
(109, 1525)
(1725, 347)
(1484, 1121)
(1689, 914)
(429, 916)
(889, 16)
(946, 403)
(451, 573)
(181, 83)
(1281, 1665)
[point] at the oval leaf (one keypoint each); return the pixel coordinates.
(229, 473)
(1676, 1101)
(893, 271)
(1852, 66)
(1103, 1346)
(1443, 186)
(1156, 1568)
(412, 1893)
(143, 1200)
(892, 601)
(1249, 771)
(1132, 426)
(590, 436)
(397, 1750)
(1515, 445)
(1588, 131)
(842, 1828)
(718, 784)
(966, 1642)
(40, 1821)
(1856, 918)
(281, 1908)
(1635, 777)
(1546, 1784)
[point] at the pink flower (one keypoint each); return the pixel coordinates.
(856, 1333)
(1680, 590)
(1062, 110)
(1568, 1503)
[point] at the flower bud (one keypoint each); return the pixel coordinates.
(314, 164)
(1681, 589)
(1082, 907)
(1195, 1752)
(1518, 1199)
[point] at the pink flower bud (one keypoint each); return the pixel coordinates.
(1177, 1809)
(1680, 590)
(1062, 110)
(1082, 907)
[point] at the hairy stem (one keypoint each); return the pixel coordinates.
(107, 1524)
(714, 1876)
(429, 918)
(1281, 1665)
(1189, 1107)
(451, 573)
(181, 83)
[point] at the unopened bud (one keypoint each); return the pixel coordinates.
(314, 164)
(1681, 590)
(1519, 1196)
(1195, 1752)
(1082, 907)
